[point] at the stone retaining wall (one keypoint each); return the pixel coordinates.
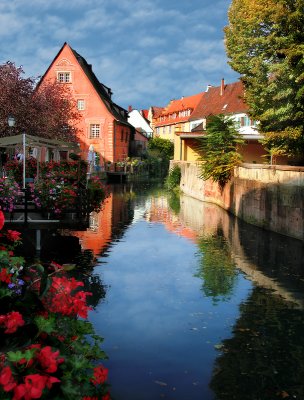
(271, 197)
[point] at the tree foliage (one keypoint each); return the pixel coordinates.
(219, 149)
(265, 44)
(161, 147)
(47, 110)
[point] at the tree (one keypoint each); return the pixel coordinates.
(161, 147)
(47, 110)
(219, 149)
(264, 43)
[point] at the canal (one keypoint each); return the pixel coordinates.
(195, 305)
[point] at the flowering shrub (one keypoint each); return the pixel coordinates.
(14, 169)
(46, 351)
(9, 190)
(70, 170)
(58, 188)
(53, 194)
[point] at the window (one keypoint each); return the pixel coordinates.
(80, 105)
(122, 135)
(64, 77)
(94, 131)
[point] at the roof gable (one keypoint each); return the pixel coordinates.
(183, 103)
(224, 99)
(179, 110)
(104, 92)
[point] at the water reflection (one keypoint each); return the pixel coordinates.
(271, 260)
(198, 304)
(264, 358)
(216, 268)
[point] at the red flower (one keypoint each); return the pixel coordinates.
(2, 219)
(7, 379)
(33, 386)
(56, 266)
(13, 235)
(89, 398)
(12, 321)
(5, 276)
(49, 360)
(106, 397)
(61, 298)
(100, 375)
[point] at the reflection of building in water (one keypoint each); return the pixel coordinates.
(261, 255)
(106, 225)
(160, 212)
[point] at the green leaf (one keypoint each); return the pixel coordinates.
(68, 267)
(46, 325)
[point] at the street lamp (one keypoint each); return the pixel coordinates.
(11, 121)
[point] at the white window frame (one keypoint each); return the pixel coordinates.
(94, 131)
(64, 77)
(80, 104)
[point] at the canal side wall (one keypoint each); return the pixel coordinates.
(271, 197)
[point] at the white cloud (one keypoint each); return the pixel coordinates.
(147, 51)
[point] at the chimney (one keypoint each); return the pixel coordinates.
(130, 108)
(208, 87)
(222, 86)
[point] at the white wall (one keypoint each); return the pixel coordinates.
(138, 121)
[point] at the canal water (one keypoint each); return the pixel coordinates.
(194, 304)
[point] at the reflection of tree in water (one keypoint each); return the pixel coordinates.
(264, 360)
(174, 202)
(217, 270)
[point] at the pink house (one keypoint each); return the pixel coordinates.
(103, 125)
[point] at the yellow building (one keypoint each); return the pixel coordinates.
(174, 118)
(226, 99)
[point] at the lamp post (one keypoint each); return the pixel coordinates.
(11, 121)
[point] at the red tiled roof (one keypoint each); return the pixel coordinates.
(145, 113)
(213, 102)
(185, 103)
(156, 111)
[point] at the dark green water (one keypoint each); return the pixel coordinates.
(197, 305)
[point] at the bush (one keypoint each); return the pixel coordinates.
(173, 179)
(46, 351)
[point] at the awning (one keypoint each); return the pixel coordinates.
(35, 141)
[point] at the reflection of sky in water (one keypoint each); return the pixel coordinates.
(159, 330)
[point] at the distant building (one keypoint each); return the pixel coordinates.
(175, 116)
(103, 125)
(153, 114)
(226, 99)
(138, 119)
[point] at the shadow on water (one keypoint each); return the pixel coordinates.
(264, 358)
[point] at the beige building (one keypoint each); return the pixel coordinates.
(226, 99)
(175, 117)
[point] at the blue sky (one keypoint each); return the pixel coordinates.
(147, 51)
